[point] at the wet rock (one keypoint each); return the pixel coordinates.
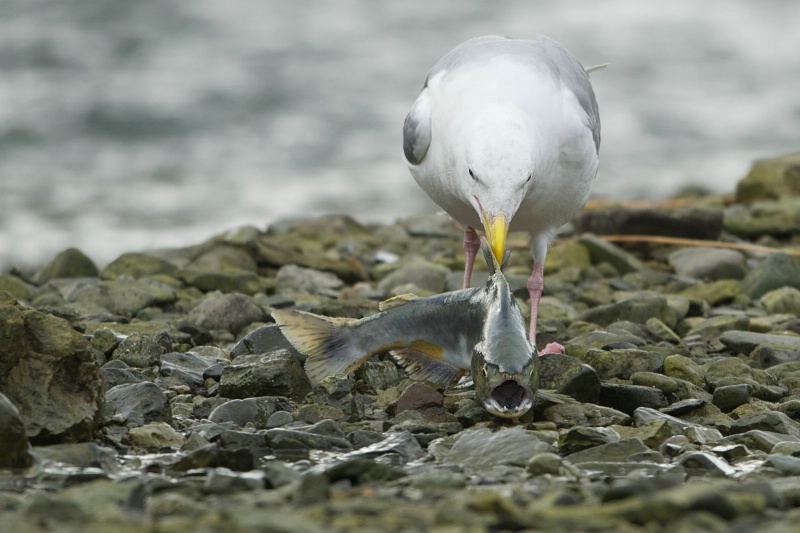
(264, 339)
(784, 464)
(229, 312)
(255, 411)
(622, 363)
(13, 440)
(776, 271)
(156, 435)
(422, 398)
(567, 375)
(684, 368)
(784, 300)
(230, 280)
(124, 296)
(579, 414)
(481, 448)
(771, 421)
(296, 278)
(701, 463)
(744, 342)
(770, 179)
(695, 223)
(14, 286)
(604, 252)
(324, 435)
(49, 373)
(580, 438)
(617, 451)
(138, 265)
(398, 448)
(713, 293)
(733, 371)
(638, 309)
(673, 388)
(117, 372)
(729, 397)
(756, 439)
(138, 351)
(186, 367)
(646, 415)
(138, 404)
(707, 263)
(81, 455)
(427, 276)
(71, 263)
(627, 398)
(276, 373)
(710, 329)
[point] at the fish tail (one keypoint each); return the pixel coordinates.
(325, 342)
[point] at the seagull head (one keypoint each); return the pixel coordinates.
(497, 173)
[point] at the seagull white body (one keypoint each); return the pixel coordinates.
(505, 135)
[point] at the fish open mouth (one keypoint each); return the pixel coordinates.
(510, 396)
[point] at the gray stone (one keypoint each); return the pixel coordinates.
(71, 263)
(580, 438)
(734, 371)
(265, 339)
(276, 373)
(627, 398)
(117, 372)
(427, 276)
(776, 271)
(581, 414)
(756, 439)
(744, 342)
(256, 411)
(230, 312)
(687, 222)
(14, 446)
(568, 375)
(138, 265)
(138, 403)
(785, 464)
(646, 415)
(49, 373)
(605, 252)
(186, 367)
(618, 451)
(482, 448)
(125, 296)
(299, 279)
(638, 309)
(81, 455)
(785, 300)
(704, 463)
(708, 263)
(729, 397)
(156, 435)
(623, 363)
(770, 179)
(138, 351)
(771, 421)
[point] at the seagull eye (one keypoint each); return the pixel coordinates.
(472, 175)
(530, 175)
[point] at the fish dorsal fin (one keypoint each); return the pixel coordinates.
(422, 367)
(397, 301)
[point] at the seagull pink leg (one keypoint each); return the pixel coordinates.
(535, 287)
(471, 246)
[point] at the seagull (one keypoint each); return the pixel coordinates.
(505, 136)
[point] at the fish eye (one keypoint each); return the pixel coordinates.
(484, 371)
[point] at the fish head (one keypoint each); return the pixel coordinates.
(503, 393)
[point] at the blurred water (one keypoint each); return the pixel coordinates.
(131, 125)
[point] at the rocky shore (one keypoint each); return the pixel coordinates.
(156, 393)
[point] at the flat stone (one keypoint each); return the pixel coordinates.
(729, 397)
(138, 403)
(708, 263)
(605, 252)
(639, 309)
(776, 271)
(618, 451)
(156, 435)
(264, 339)
(745, 342)
(137, 265)
(230, 312)
(770, 179)
(785, 300)
(138, 351)
(482, 448)
(622, 363)
(256, 411)
(568, 375)
(627, 398)
(771, 421)
(757, 439)
(276, 373)
(580, 438)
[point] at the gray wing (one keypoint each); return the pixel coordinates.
(417, 128)
(541, 51)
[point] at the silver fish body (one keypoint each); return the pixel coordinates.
(437, 339)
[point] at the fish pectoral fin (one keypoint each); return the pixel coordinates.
(397, 301)
(555, 397)
(421, 366)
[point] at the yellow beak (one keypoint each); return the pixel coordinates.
(496, 231)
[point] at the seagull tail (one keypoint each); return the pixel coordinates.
(326, 342)
(591, 69)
